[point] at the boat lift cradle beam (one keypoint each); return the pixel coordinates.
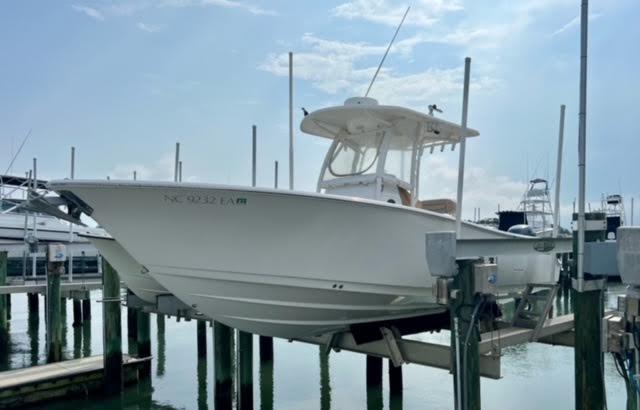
(555, 331)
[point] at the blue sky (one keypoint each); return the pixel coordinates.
(124, 80)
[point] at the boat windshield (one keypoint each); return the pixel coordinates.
(399, 157)
(355, 156)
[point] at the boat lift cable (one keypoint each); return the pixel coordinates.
(24, 140)
(387, 52)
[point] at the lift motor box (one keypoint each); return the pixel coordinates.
(614, 337)
(486, 278)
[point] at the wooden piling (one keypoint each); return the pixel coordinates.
(325, 382)
(245, 396)
(160, 327)
(54, 312)
(466, 383)
(202, 339)
(8, 305)
(266, 348)
(202, 384)
(266, 384)
(374, 371)
(112, 334)
(395, 379)
(223, 389)
(86, 307)
(132, 331)
(588, 307)
(33, 331)
(33, 302)
(77, 313)
(4, 324)
(144, 342)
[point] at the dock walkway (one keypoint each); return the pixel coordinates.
(79, 376)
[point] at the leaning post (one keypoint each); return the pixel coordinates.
(112, 333)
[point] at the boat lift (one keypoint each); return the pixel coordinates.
(442, 252)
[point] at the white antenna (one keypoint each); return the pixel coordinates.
(387, 52)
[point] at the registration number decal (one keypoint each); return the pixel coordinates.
(204, 199)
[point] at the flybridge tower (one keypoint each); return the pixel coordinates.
(536, 204)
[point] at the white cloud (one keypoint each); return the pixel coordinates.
(425, 13)
(131, 8)
(481, 189)
(230, 4)
(89, 11)
(159, 170)
(574, 22)
(149, 28)
(336, 67)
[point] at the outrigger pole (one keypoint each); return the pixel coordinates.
(387, 52)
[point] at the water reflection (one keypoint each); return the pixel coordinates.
(86, 339)
(374, 397)
(325, 385)
(161, 345)
(77, 342)
(266, 384)
(395, 402)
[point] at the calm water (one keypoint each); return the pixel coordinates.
(301, 377)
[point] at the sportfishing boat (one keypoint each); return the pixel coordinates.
(533, 217)
(293, 264)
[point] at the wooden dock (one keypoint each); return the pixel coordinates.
(71, 377)
(41, 286)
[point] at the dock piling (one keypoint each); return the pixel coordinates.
(245, 349)
(77, 313)
(54, 312)
(202, 339)
(588, 308)
(86, 307)
(33, 302)
(464, 339)
(266, 348)
(374, 371)
(395, 379)
(161, 344)
(223, 389)
(144, 343)
(132, 331)
(112, 339)
(4, 324)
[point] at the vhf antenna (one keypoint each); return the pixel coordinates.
(387, 52)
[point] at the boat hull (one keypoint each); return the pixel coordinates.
(271, 262)
(129, 270)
